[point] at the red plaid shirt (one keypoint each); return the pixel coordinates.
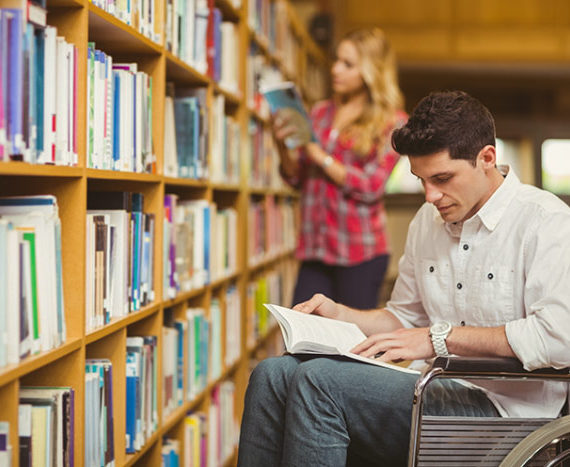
(343, 225)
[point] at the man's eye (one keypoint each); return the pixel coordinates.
(442, 180)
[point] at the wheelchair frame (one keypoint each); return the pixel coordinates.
(520, 430)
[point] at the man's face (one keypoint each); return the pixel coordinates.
(454, 186)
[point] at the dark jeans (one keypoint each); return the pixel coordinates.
(356, 286)
(332, 412)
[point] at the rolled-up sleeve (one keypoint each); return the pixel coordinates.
(542, 338)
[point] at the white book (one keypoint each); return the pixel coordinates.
(61, 136)
(170, 151)
(89, 272)
(139, 92)
(50, 58)
(71, 116)
(42, 220)
(312, 334)
(13, 297)
(190, 37)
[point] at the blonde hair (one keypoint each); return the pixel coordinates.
(377, 64)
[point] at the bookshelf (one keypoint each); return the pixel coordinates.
(280, 44)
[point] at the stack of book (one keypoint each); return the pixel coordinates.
(186, 133)
(140, 14)
(170, 452)
(119, 256)
(46, 426)
(119, 117)
(141, 394)
(199, 336)
(188, 236)
(276, 287)
(222, 425)
(196, 439)
(174, 334)
(32, 317)
(5, 447)
(233, 325)
(225, 148)
(99, 438)
(37, 119)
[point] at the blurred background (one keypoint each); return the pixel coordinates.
(513, 55)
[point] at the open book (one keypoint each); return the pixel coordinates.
(304, 333)
(284, 97)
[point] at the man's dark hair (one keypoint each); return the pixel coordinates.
(451, 120)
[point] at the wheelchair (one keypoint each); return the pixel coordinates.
(487, 441)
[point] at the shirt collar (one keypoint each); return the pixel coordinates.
(491, 212)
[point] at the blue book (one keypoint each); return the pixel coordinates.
(285, 98)
(207, 235)
(180, 328)
(15, 81)
(39, 83)
(217, 44)
(116, 120)
(132, 395)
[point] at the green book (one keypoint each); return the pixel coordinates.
(30, 237)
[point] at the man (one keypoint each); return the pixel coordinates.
(485, 272)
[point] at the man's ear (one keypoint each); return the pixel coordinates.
(488, 157)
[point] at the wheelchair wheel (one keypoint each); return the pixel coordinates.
(539, 448)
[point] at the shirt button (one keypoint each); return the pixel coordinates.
(459, 285)
(490, 275)
(462, 323)
(466, 247)
(431, 269)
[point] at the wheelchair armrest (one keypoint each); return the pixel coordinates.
(490, 367)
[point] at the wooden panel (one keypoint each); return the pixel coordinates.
(420, 43)
(405, 12)
(512, 44)
(509, 12)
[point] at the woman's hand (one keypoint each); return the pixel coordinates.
(320, 305)
(402, 344)
(290, 128)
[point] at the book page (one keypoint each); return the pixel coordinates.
(316, 333)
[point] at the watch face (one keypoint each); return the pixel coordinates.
(441, 327)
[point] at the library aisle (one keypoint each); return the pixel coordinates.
(143, 222)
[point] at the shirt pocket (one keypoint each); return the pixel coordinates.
(494, 295)
(435, 280)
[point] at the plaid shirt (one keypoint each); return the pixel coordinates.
(343, 225)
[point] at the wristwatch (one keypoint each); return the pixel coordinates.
(328, 160)
(438, 333)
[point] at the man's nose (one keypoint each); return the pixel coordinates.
(432, 193)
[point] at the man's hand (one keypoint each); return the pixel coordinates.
(402, 344)
(321, 305)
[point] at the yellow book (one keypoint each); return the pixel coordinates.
(40, 435)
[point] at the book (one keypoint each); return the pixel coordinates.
(312, 334)
(285, 98)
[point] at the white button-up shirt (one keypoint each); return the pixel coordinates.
(508, 265)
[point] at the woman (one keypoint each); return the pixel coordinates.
(342, 245)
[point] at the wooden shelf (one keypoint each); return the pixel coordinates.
(81, 22)
(114, 37)
(118, 175)
(35, 170)
(32, 363)
(229, 12)
(182, 73)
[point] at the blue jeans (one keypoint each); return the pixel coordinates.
(328, 411)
